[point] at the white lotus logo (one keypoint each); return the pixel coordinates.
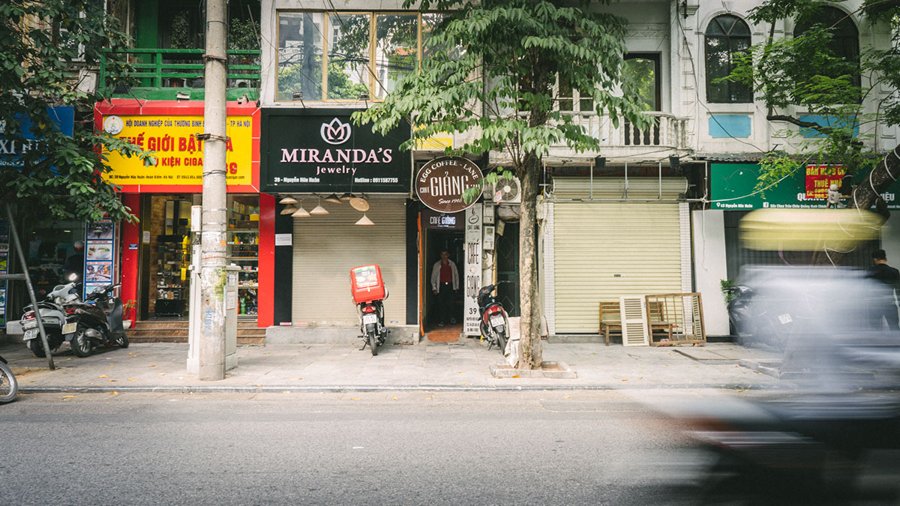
(335, 132)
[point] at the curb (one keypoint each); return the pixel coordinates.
(192, 389)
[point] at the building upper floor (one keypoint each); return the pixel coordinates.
(352, 53)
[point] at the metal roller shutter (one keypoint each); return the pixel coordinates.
(327, 247)
(604, 251)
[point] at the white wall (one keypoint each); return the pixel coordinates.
(710, 268)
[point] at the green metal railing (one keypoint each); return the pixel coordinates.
(172, 68)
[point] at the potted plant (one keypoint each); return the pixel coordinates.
(129, 313)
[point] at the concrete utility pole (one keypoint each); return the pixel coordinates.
(213, 234)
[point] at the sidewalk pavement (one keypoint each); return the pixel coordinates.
(161, 367)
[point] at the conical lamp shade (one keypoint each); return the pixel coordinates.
(301, 213)
(288, 201)
(319, 211)
(288, 210)
(364, 221)
(346, 197)
(332, 199)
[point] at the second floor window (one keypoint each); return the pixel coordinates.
(726, 37)
(350, 56)
(844, 41)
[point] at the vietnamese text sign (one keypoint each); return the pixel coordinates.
(732, 188)
(177, 153)
(819, 177)
(12, 149)
(321, 150)
(472, 276)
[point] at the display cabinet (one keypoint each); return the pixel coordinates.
(243, 251)
(172, 261)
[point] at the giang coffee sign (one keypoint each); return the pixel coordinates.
(441, 182)
(321, 150)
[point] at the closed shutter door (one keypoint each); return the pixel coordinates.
(604, 251)
(327, 247)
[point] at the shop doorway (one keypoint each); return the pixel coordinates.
(508, 268)
(437, 241)
(166, 243)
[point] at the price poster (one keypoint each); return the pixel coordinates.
(100, 248)
(4, 268)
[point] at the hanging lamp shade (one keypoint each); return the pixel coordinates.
(360, 204)
(346, 197)
(364, 221)
(300, 213)
(332, 199)
(288, 201)
(288, 210)
(319, 211)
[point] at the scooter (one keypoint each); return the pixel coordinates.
(494, 320)
(369, 294)
(9, 387)
(98, 321)
(371, 326)
(54, 318)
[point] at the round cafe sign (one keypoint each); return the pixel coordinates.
(441, 182)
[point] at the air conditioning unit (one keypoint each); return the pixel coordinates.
(507, 191)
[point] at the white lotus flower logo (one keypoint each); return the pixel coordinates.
(335, 132)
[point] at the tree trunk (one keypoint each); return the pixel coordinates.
(882, 176)
(530, 353)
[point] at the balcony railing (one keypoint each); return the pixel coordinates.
(162, 72)
(664, 131)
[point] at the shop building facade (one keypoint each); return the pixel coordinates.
(635, 217)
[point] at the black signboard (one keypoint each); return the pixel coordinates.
(322, 151)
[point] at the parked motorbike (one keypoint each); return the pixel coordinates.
(757, 320)
(98, 321)
(494, 320)
(9, 387)
(372, 327)
(369, 294)
(54, 318)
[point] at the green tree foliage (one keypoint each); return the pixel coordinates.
(46, 49)
(491, 72)
(809, 73)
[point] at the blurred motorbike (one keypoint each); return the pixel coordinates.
(9, 387)
(810, 449)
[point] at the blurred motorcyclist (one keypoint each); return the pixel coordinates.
(886, 306)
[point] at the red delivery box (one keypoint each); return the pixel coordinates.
(366, 283)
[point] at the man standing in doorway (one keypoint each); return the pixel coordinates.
(886, 306)
(444, 282)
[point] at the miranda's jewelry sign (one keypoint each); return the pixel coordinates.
(322, 150)
(440, 183)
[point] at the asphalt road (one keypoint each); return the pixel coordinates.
(379, 448)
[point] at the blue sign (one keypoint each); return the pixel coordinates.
(11, 150)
